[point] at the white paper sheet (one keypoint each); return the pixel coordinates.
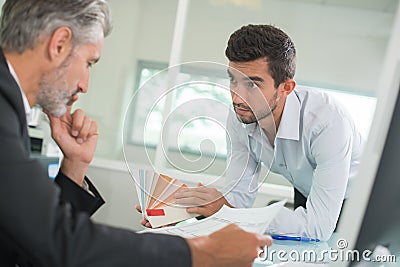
(255, 220)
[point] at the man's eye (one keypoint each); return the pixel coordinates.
(251, 85)
(232, 81)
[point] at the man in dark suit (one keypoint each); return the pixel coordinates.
(47, 48)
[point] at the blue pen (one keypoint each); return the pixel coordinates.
(294, 238)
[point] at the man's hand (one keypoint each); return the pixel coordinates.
(76, 135)
(143, 222)
(146, 223)
(203, 200)
(231, 246)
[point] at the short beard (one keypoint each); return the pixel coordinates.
(262, 114)
(54, 94)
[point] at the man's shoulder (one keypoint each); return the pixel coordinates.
(316, 101)
(11, 105)
(11, 128)
(314, 97)
(320, 109)
(8, 114)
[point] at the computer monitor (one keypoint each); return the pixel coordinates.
(51, 164)
(371, 216)
(381, 222)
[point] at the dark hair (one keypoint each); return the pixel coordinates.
(252, 42)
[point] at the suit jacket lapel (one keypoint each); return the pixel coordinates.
(10, 90)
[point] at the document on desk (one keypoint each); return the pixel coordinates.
(254, 220)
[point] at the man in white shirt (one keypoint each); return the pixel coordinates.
(302, 134)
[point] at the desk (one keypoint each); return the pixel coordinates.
(297, 251)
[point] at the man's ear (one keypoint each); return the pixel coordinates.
(60, 44)
(288, 86)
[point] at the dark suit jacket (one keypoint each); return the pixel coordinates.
(46, 226)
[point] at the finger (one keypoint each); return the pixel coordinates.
(93, 129)
(198, 210)
(204, 189)
(184, 193)
(201, 198)
(205, 211)
(72, 100)
(84, 131)
(145, 223)
(190, 201)
(77, 121)
(196, 194)
(209, 191)
(197, 188)
(264, 240)
(201, 188)
(138, 208)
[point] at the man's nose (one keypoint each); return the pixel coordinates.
(236, 98)
(238, 95)
(83, 85)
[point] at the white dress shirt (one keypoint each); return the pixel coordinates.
(317, 148)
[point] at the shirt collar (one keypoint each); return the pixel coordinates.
(250, 128)
(27, 107)
(290, 121)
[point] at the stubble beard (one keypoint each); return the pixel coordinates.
(54, 93)
(262, 114)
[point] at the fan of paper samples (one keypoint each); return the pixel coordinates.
(156, 196)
